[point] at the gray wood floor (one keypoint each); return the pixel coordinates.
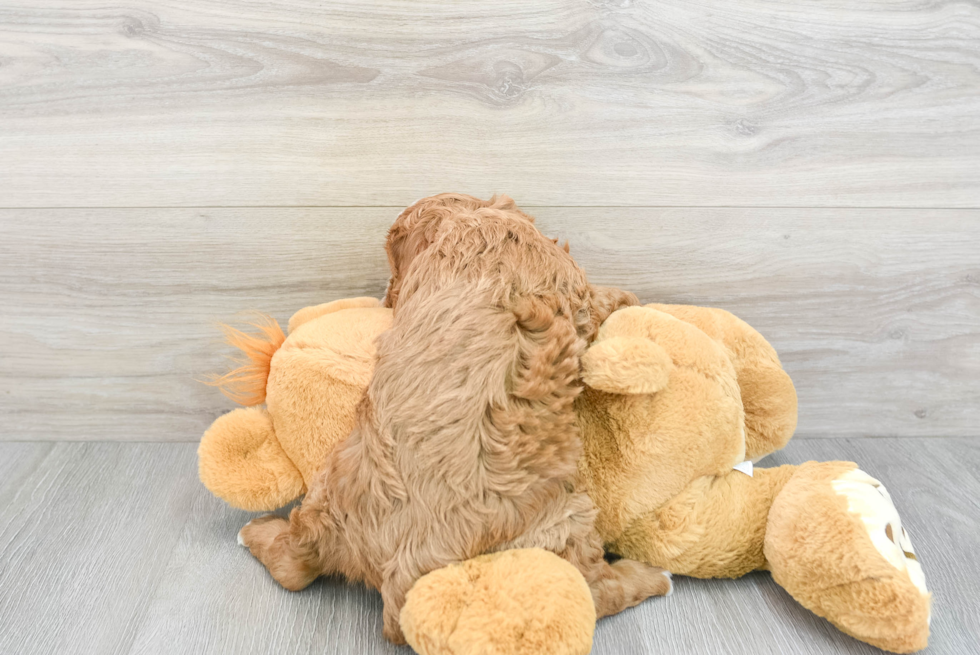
(115, 548)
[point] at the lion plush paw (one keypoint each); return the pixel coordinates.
(516, 602)
(836, 543)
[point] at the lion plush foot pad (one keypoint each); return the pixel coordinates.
(836, 543)
(868, 499)
(516, 602)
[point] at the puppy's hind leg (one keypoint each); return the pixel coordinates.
(626, 583)
(393, 592)
(287, 548)
(615, 586)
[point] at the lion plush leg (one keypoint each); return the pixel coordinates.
(715, 528)
(524, 601)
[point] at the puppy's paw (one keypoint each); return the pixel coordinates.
(258, 534)
(640, 580)
(660, 582)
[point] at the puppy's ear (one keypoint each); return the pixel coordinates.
(396, 247)
(410, 234)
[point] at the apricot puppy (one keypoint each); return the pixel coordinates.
(465, 442)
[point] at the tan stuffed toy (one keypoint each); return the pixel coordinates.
(679, 402)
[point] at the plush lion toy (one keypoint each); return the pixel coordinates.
(679, 402)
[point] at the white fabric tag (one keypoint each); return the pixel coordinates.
(745, 467)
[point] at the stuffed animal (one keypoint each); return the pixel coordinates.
(679, 402)
(261, 458)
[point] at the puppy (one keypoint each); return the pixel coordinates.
(465, 441)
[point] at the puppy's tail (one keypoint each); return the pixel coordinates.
(246, 383)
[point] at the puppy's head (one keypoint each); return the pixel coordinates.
(416, 228)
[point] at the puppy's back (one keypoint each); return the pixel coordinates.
(463, 380)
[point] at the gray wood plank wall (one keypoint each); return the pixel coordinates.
(557, 102)
(110, 315)
(811, 166)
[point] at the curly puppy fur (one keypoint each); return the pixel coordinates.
(465, 441)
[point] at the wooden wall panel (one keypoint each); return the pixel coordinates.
(558, 102)
(109, 315)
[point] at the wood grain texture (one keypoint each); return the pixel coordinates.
(85, 533)
(116, 548)
(109, 315)
(559, 102)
